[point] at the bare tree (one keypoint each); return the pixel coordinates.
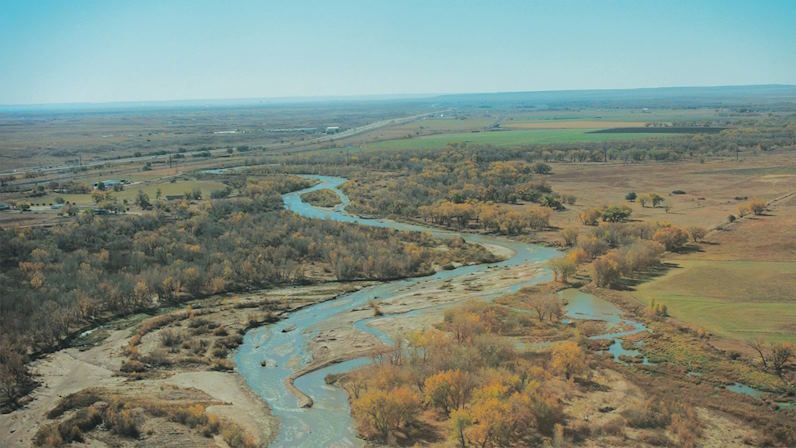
(759, 346)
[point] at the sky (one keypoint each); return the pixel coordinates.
(107, 51)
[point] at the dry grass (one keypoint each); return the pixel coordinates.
(710, 188)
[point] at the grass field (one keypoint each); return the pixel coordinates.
(632, 115)
(739, 299)
(508, 138)
(572, 124)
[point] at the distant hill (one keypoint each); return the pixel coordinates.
(772, 95)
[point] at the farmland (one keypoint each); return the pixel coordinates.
(508, 138)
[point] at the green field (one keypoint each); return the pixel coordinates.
(739, 299)
(663, 115)
(508, 138)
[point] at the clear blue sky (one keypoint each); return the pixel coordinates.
(97, 51)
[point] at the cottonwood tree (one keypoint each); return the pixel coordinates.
(568, 358)
(570, 235)
(562, 268)
(672, 237)
(448, 390)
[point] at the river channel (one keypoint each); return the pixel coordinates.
(328, 422)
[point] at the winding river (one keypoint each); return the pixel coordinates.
(328, 422)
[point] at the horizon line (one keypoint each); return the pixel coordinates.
(362, 97)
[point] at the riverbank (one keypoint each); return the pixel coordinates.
(177, 378)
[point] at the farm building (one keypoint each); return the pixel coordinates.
(108, 183)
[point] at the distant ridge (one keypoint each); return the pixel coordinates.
(712, 96)
(642, 97)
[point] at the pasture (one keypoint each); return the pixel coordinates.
(738, 299)
(507, 138)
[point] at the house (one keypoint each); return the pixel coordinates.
(108, 184)
(332, 129)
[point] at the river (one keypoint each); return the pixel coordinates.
(328, 423)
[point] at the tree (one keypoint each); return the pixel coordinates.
(656, 199)
(776, 355)
(568, 358)
(448, 390)
(13, 371)
(758, 346)
(616, 213)
(460, 420)
(570, 235)
(590, 217)
(672, 237)
(606, 271)
(381, 412)
(98, 196)
(544, 305)
(490, 426)
(780, 356)
(463, 325)
(142, 199)
(697, 233)
(562, 268)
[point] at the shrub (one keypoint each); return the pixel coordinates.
(123, 422)
(542, 168)
(614, 427)
(672, 237)
(592, 245)
(223, 365)
(191, 416)
(236, 437)
(757, 206)
(616, 213)
(171, 339)
(133, 366)
(570, 235)
(631, 196)
(590, 217)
